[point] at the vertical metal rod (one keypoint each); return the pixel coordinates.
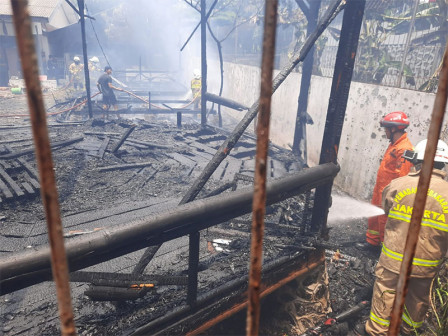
(340, 88)
(408, 41)
(420, 198)
(193, 262)
(84, 54)
(259, 199)
(149, 100)
(203, 64)
(25, 42)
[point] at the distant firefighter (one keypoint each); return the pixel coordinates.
(95, 69)
(94, 64)
(196, 85)
(105, 86)
(76, 69)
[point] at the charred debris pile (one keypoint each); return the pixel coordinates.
(110, 172)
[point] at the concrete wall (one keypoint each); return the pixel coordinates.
(363, 141)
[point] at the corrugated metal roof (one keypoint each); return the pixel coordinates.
(38, 8)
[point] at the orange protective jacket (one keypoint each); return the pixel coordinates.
(391, 167)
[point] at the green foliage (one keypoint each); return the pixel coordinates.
(439, 302)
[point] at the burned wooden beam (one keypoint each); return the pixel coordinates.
(101, 293)
(103, 147)
(136, 110)
(225, 102)
(123, 278)
(149, 144)
(15, 187)
(14, 155)
(102, 133)
(123, 138)
(126, 166)
(23, 269)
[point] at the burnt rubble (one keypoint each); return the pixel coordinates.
(113, 170)
(99, 186)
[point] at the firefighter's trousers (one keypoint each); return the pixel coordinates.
(416, 304)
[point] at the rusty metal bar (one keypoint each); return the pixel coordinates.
(259, 199)
(233, 138)
(420, 197)
(25, 42)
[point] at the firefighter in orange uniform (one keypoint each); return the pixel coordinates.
(391, 167)
(432, 245)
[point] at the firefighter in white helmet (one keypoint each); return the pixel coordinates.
(95, 70)
(398, 201)
(76, 70)
(94, 64)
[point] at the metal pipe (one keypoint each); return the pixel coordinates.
(56, 253)
(420, 197)
(225, 102)
(233, 138)
(26, 268)
(259, 198)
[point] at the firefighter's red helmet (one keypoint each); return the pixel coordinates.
(398, 119)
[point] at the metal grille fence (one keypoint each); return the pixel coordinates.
(409, 50)
(386, 48)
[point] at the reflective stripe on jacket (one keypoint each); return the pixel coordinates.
(398, 202)
(196, 83)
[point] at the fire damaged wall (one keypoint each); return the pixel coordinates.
(363, 141)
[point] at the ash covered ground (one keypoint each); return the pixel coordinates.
(93, 196)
